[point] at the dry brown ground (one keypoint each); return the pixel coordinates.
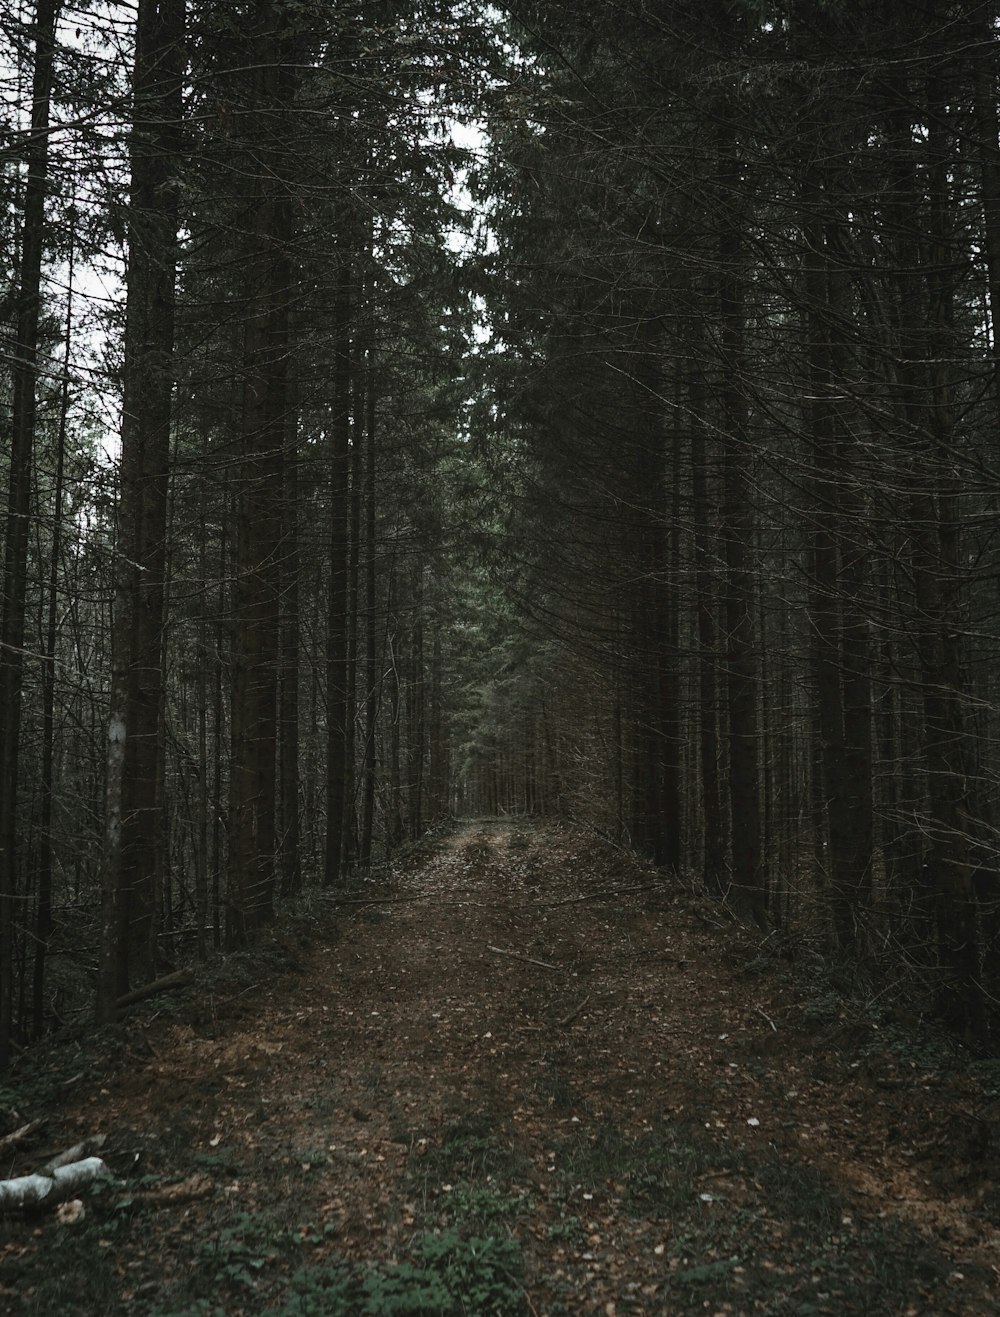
(527, 1036)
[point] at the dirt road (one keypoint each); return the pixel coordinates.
(520, 1074)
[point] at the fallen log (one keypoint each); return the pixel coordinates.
(178, 979)
(40, 1190)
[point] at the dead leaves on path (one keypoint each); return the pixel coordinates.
(528, 1033)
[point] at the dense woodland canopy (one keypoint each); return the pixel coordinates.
(414, 408)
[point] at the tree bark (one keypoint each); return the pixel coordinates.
(983, 33)
(373, 683)
(129, 909)
(25, 380)
(748, 891)
(837, 632)
(257, 577)
(291, 564)
(43, 915)
(415, 710)
(337, 703)
(714, 847)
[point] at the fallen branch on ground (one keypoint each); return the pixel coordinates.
(605, 891)
(398, 900)
(172, 1195)
(85, 1148)
(568, 1019)
(41, 1190)
(767, 1018)
(20, 1135)
(528, 960)
(177, 979)
(377, 900)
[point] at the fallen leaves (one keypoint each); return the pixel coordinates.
(448, 1040)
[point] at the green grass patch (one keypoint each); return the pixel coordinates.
(485, 1205)
(569, 1229)
(239, 1251)
(445, 1274)
(222, 1163)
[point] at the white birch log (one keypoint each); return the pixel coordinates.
(39, 1190)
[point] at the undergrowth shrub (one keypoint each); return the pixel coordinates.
(446, 1275)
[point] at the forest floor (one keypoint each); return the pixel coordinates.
(518, 1073)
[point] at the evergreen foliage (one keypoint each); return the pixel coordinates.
(416, 409)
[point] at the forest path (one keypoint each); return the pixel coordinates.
(523, 1075)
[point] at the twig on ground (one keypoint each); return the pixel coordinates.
(528, 960)
(520, 1285)
(178, 979)
(767, 1018)
(568, 1019)
(401, 900)
(20, 1135)
(78, 1152)
(172, 1195)
(602, 893)
(378, 900)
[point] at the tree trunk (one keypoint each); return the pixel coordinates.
(438, 793)
(669, 847)
(394, 811)
(938, 581)
(128, 944)
(43, 916)
(416, 730)
(373, 683)
(336, 637)
(714, 852)
(749, 886)
(289, 848)
(25, 379)
(837, 632)
(983, 34)
(350, 842)
(257, 576)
